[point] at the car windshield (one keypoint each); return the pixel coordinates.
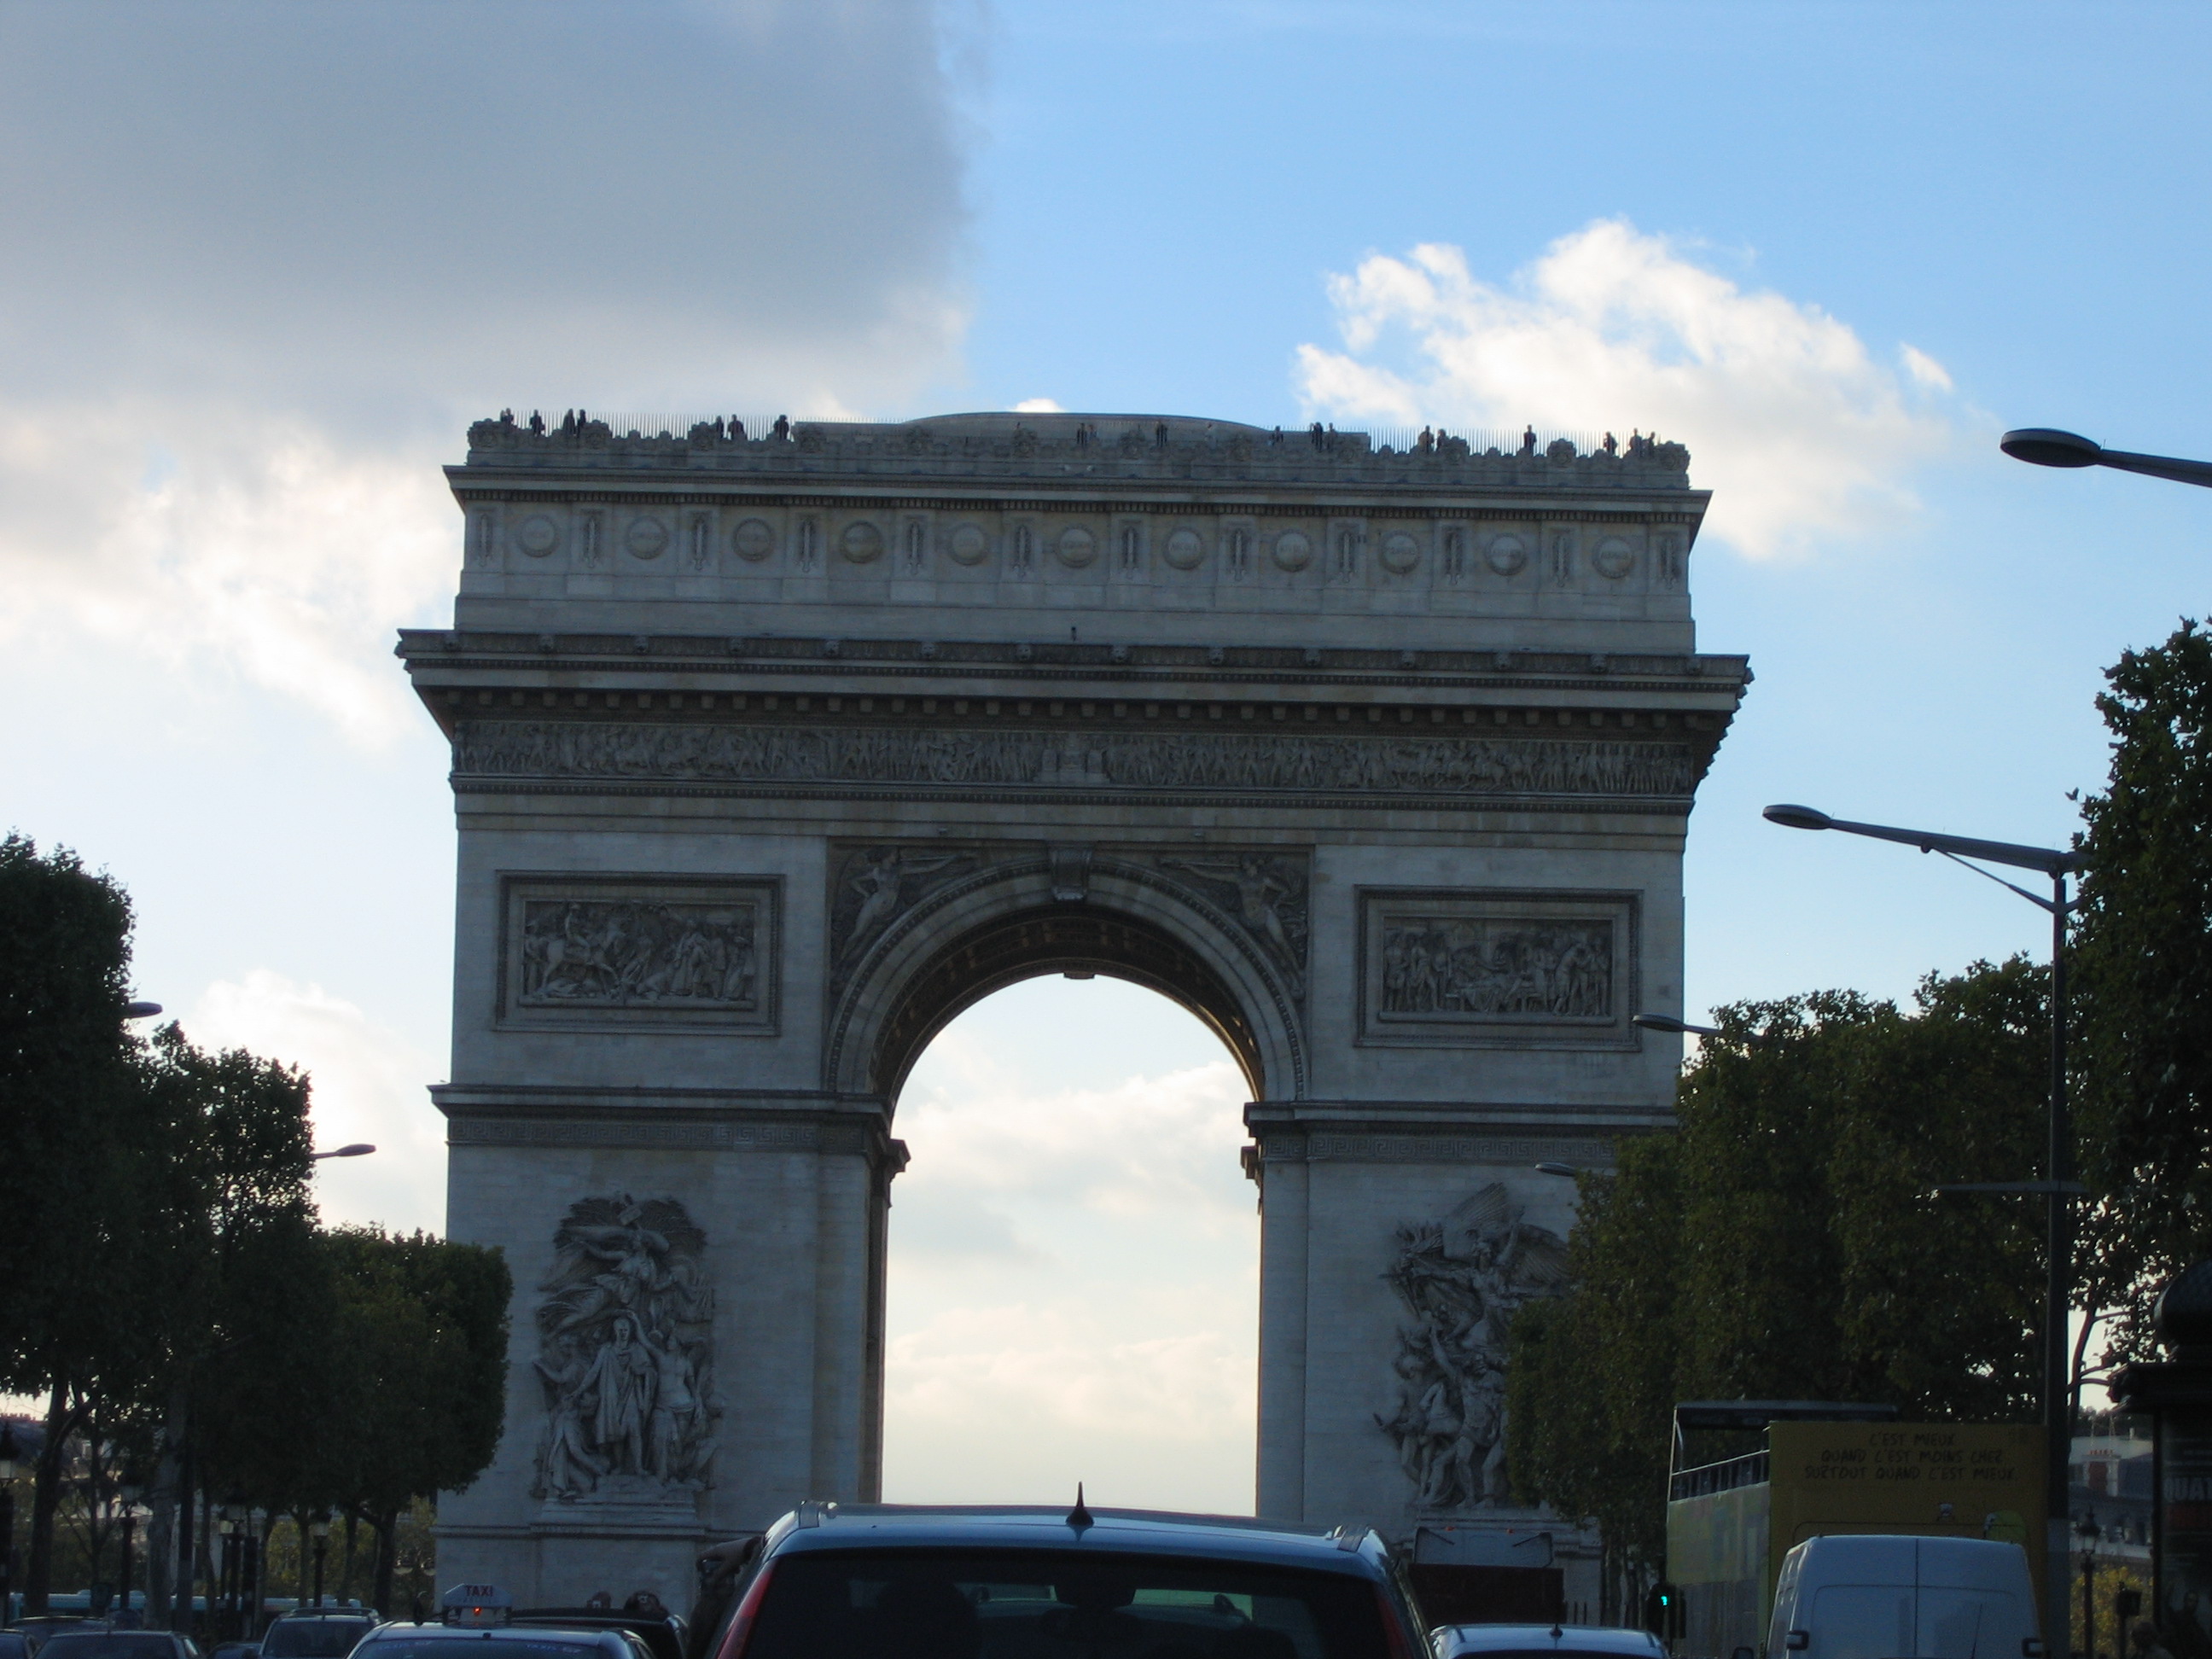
(313, 1638)
(108, 1644)
(454, 1645)
(1042, 1604)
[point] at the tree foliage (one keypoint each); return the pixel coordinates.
(2142, 983)
(1784, 1242)
(169, 1289)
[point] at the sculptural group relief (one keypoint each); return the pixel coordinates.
(1450, 965)
(595, 948)
(1361, 768)
(1462, 1279)
(625, 1359)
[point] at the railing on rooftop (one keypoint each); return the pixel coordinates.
(1724, 1476)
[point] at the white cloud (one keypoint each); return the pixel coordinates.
(1789, 421)
(1923, 369)
(267, 260)
(1038, 406)
(368, 1085)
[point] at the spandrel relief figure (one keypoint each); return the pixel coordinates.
(1462, 1279)
(879, 884)
(1269, 900)
(625, 1330)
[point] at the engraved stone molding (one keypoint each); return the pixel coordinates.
(979, 885)
(1355, 767)
(1328, 1147)
(667, 952)
(642, 1133)
(1452, 967)
(1461, 1278)
(625, 1360)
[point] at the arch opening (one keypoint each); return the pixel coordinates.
(1075, 941)
(1072, 1254)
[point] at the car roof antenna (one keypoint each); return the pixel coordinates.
(1078, 1517)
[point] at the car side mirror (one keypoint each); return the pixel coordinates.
(1798, 1640)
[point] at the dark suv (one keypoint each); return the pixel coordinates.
(317, 1633)
(893, 1581)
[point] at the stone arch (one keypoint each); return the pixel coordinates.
(1044, 915)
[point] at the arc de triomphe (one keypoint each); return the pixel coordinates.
(771, 752)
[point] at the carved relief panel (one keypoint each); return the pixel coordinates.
(1461, 1280)
(601, 950)
(625, 1356)
(1459, 968)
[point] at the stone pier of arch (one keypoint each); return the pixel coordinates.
(771, 754)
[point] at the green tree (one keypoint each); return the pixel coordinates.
(424, 1327)
(66, 1173)
(1591, 1386)
(226, 1199)
(2142, 976)
(1783, 1243)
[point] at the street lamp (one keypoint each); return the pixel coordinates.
(320, 1530)
(2087, 1530)
(358, 1148)
(1673, 1026)
(11, 1452)
(2059, 1186)
(141, 1010)
(129, 1488)
(2045, 445)
(1568, 1171)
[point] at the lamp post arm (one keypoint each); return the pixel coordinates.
(2158, 466)
(2051, 860)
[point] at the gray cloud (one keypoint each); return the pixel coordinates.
(371, 211)
(264, 258)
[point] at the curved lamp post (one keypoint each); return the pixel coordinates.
(358, 1148)
(2058, 1186)
(2046, 446)
(1674, 1027)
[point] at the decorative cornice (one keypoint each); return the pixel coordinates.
(1187, 764)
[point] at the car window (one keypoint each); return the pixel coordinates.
(456, 1646)
(109, 1645)
(972, 1604)
(313, 1638)
(1861, 1621)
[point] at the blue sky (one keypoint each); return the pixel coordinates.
(270, 259)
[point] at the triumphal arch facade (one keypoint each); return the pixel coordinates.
(773, 751)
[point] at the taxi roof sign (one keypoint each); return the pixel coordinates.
(477, 1606)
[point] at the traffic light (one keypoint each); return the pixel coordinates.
(1662, 1612)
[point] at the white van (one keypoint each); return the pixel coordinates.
(1886, 1597)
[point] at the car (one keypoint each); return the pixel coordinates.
(663, 1632)
(1903, 1595)
(474, 1625)
(93, 1641)
(317, 1633)
(37, 1628)
(1544, 1642)
(872, 1581)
